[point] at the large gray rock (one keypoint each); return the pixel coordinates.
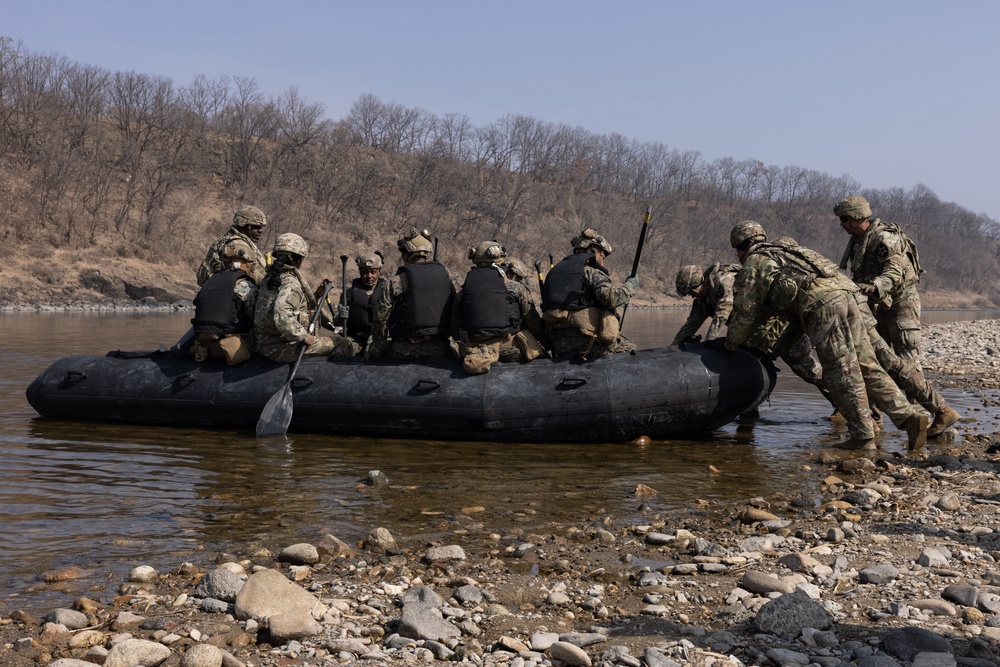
(220, 584)
(202, 655)
(268, 592)
(905, 643)
(286, 626)
(882, 573)
(787, 615)
(569, 654)
(423, 622)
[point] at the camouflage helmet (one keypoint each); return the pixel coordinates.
(488, 252)
(292, 244)
(590, 238)
(747, 233)
(855, 207)
(238, 251)
(416, 242)
(688, 279)
(369, 260)
(249, 216)
(516, 267)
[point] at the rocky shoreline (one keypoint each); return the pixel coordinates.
(888, 559)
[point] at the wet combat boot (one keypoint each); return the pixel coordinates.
(857, 443)
(916, 430)
(943, 420)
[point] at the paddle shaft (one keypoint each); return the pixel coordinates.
(277, 413)
(343, 282)
(638, 252)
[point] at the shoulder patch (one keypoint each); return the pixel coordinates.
(882, 250)
(720, 292)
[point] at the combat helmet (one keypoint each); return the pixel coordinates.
(416, 242)
(238, 253)
(488, 252)
(292, 244)
(746, 234)
(515, 266)
(590, 238)
(249, 216)
(688, 279)
(369, 260)
(854, 207)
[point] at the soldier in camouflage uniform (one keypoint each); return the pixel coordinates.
(285, 308)
(224, 307)
(580, 302)
(802, 287)
(885, 264)
(356, 312)
(248, 226)
(494, 318)
(413, 315)
(712, 291)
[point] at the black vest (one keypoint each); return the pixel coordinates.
(488, 309)
(424, 309)
(359, 321)
(217, 309)
(566, 286)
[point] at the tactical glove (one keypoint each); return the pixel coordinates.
(633, 281)
(868, 289)
(343, 312)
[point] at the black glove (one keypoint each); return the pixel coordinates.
(868, 289)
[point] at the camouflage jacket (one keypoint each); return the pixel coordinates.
(282, 314)
(776, 282)
(884, 257)
(609, 296)
(213, 262)
(715, 301)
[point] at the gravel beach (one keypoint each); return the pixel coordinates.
(889, 559)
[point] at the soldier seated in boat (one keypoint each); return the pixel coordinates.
(285, 306)
(580, 302)
(223, 308)
(248, 226)
(415, 307)
(494, 318)
(356, 312)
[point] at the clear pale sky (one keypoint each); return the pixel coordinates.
(893, 92)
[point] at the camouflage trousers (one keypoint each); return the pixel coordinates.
(851, 373)
(910, 377)
(574, 343)
(288, 353)
(899, 325)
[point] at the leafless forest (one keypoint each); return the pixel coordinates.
(99, 167)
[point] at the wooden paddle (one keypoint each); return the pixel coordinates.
(277, 413)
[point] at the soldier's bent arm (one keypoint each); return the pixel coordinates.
(605, 292)
(286, 315)
(895, 263)
(694, 320)
(750, 292)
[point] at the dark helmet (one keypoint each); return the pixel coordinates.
(688, 279)
(590, 238)
(855, 208)
(416, 242)
(249, 216)
(746, 234)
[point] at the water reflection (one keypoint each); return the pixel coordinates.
(110, 497)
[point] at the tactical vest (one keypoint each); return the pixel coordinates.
(566, 286)
(488, 309)
(799, 268)
(217, 309)
(424, 309)
(361, 309)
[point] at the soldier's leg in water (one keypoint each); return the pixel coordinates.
(829, 331)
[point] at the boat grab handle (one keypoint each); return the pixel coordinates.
(426, 385)
(186, 380)
(75, 376)
(298, 383)
(571, 383)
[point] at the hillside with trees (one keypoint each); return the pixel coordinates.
(114, 183)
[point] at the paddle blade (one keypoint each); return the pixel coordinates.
(277, 414)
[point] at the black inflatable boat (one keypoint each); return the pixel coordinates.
(660, 393)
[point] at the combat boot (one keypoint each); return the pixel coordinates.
(916, 430)
(943, 420)
(856, 444)
(836, 417)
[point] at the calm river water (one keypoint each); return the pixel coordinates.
(106, 498)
